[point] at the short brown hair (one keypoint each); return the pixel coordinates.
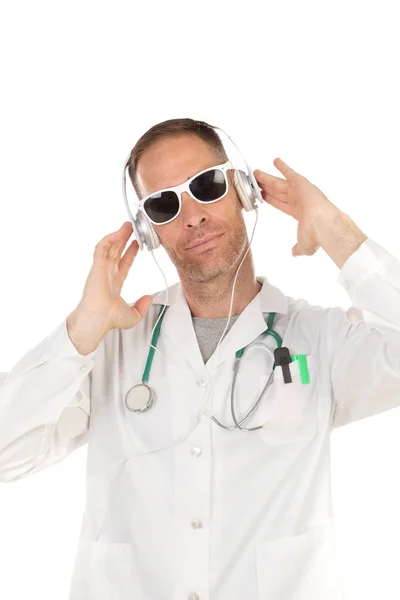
(174, 127)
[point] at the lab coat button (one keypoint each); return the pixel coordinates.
(196, 524)
(201, 382)
(193, 597)
(196, 451)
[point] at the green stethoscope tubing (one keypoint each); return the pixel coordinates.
(238, 355)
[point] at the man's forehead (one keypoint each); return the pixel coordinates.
(168, 165)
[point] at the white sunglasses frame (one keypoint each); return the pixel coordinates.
(184, 187)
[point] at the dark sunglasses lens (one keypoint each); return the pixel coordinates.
(162, 207)
(209, 186)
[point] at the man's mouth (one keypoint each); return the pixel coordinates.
(209, 243)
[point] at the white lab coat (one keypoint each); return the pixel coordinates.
(176, 507)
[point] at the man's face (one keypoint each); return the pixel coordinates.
(170, 162)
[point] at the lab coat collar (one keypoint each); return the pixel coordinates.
(177, 323)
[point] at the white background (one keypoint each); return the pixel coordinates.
(315, 83)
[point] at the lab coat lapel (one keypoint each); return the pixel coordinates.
(177, 327)
(177, 324)
(251, 322)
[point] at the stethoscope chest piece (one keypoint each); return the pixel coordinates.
(139, 398)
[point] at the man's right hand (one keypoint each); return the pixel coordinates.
(101, 307)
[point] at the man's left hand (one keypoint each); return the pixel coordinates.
(298, 197)
(320, 223)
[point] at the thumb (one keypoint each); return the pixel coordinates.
(296, 250)
(143, 304)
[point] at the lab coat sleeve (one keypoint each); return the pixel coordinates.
(363, 343)
(44, 406)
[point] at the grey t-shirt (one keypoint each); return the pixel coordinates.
(208, 331)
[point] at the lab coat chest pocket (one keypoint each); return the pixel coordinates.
(290, 409)
(105, 570)
(299, 567)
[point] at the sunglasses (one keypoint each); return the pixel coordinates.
(206, 187)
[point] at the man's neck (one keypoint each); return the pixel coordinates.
(213, 298)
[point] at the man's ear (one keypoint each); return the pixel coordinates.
(231, 175)
(157, 230)
(232, 178)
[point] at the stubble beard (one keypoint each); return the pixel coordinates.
(216, 261)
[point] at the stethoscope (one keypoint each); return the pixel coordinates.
(140, 397)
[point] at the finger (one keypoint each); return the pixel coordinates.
(117, 247)
(276, 203)
(284, 169)
(266, 194)
(127, 260)
(270, 182)
(103, 246)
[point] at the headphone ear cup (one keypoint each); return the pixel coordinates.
(244, 190)
(144, 231)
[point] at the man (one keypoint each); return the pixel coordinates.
(177, 506)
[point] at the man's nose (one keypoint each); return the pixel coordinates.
(192, 212)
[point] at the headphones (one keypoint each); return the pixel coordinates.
(245, 185)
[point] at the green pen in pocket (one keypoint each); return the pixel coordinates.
(303, 367)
